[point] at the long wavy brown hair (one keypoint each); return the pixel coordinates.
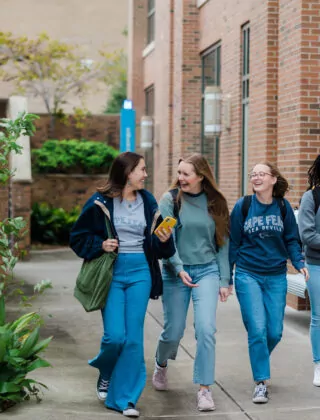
(120, 169)
(281, 187)
(217, 204)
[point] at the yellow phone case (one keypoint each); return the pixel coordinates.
(166, 223)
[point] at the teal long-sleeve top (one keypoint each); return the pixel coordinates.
(195, 235)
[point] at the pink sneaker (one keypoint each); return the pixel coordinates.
(205, 401)
(159, 378)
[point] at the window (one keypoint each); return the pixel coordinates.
(151, 21)
(149, 101)
(245, 103)
(211, 70)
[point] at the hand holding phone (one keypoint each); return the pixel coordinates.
(168, 222)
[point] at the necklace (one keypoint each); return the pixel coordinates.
(129, 204)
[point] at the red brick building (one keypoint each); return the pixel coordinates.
(264, 55)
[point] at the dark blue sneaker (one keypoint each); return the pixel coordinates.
(102, 388)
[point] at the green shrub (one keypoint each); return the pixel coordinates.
(52, 225)
(19, 355)
(73, 156)
(19, 340)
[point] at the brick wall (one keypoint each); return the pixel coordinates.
(21, 207)
(66, 191)
(284, 85)
(104, 128)
(3, 202)
(284, 107)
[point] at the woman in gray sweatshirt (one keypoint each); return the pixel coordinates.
(309, 228)
(199, 270)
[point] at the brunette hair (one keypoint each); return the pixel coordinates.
(314, 174)
(281, 187)
(120, 169)
(217, 204)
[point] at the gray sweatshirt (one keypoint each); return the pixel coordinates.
(195, 236)
(309, 228)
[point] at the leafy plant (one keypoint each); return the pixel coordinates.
(55, 71)
(19, 355)
(19, 340)
(118, 94)
(73, 156)
(52, 225)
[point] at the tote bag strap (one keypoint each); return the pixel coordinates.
(108, 221)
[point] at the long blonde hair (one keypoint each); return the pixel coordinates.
(217, 204)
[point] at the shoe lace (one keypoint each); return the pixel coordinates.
(161, 373)
(103, 385)
(206, 394)
(260, 390)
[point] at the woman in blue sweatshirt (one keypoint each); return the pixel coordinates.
(261, 241)
(199, 270)
(309, 227)
(134, 216)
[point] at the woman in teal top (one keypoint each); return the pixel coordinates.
(198, 270)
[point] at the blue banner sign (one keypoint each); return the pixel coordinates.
(127, 127)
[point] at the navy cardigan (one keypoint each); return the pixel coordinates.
(90, 231)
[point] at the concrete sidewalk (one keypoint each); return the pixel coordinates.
(77, 335)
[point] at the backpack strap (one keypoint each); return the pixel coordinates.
(247, 199)
(176, 204)
(282, 206)
(316, 198)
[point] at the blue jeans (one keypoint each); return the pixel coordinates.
(262, 301)
(121, 356)
(313, 285)
(176, 299)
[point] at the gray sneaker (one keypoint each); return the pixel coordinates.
(205, 401)
(159, 378)
(260, 394)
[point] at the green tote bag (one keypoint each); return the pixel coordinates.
(95, 276)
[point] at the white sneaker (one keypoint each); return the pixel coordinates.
(131, 412)
(316, 378)
(260, 394)
(205, 401)
(159, 378)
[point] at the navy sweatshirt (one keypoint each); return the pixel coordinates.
(263, 242)
(90, 231)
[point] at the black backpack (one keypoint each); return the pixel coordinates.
(176, 210)
(247, 200)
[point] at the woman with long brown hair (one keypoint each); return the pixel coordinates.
(263, 235)
(199, 270)
(134, 216)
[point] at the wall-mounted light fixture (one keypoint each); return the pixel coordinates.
(212, 110)
(146, 132)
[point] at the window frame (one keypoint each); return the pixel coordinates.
(245, 95)
(216, 50)
(151, 21)
(149, 105)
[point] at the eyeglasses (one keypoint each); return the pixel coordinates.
(258, 174)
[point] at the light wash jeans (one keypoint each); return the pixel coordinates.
(121, 356)
(262, 301)
(176, 299)
(313, 285)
